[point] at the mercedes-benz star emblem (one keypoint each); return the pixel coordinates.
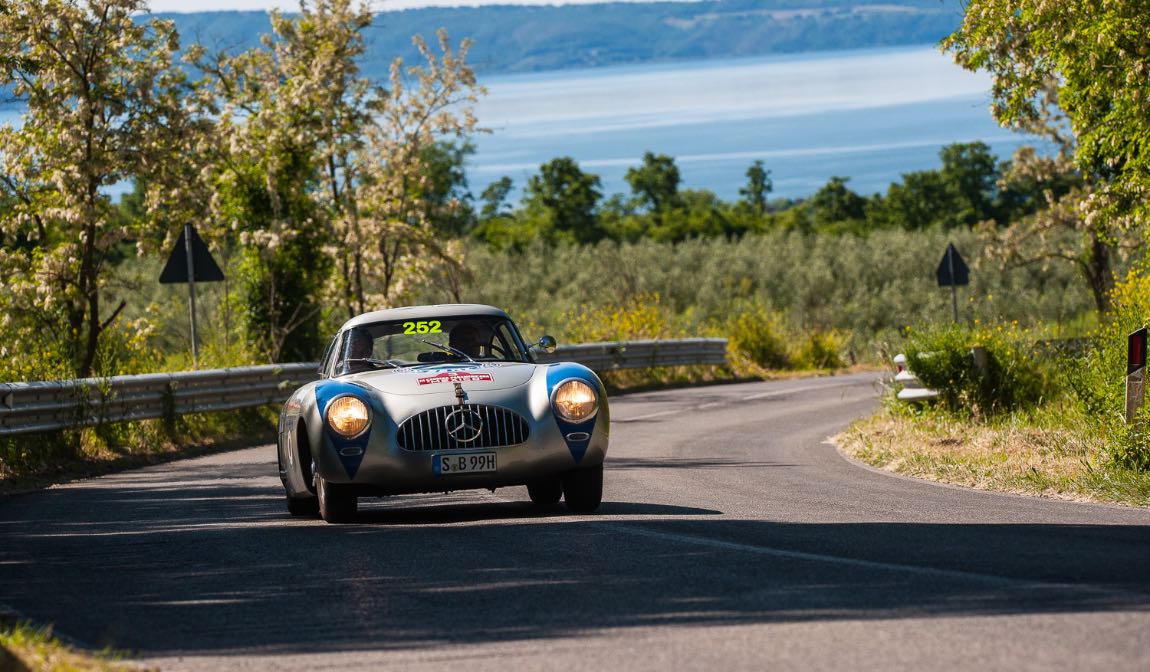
(463, 425)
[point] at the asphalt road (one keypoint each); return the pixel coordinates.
(732, 537)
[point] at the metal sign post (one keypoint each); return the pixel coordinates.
(191, 290)
(952, 272)
(1135, 374)
(191, 262)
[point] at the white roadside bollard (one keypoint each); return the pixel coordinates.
(912, 389)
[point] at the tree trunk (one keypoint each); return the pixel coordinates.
(1098, 272)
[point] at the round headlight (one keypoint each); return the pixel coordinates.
(575, 401)
(348, 416)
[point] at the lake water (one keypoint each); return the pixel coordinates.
(869, 115)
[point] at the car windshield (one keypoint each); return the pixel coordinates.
(381, 345)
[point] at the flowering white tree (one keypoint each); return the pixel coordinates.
(424, 104)
(101, 98)
(320, 169)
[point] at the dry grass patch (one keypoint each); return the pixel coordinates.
(1021, 454)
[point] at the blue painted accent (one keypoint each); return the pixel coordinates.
(447, 367)
(325, 392)
(557, 373)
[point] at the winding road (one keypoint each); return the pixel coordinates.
(732, 537)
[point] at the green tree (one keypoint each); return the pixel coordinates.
(759, 186)
(912, 204)
(655, 183)
(835, 207)
(102, 100)
(320, 170)
(428, 102)
(564, 198)
(494, 198)
(275, 118)
(970, 173)
(700, 215)
(1073, 72)
(445, 196)
(1090, 59)
(962, 193)
(1060, 230)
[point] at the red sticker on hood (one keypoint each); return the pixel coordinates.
(456, 377)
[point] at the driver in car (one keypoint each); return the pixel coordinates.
(465, 338)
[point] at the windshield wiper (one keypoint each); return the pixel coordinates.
(448, 349)
(378, 363)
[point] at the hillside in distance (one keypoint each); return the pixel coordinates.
(509, 39)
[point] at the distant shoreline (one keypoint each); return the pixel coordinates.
(529, 38)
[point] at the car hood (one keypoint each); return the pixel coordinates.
(440, 378)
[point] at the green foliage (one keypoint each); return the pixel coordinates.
(281, 312)
(494, 197)
(1097, 377)
(1008, 377)
(759, 186)
(820, 350)
(835, 208)
(865, 288)
(283, 269)
(655, 183)
(26, 646)
(962, 193)
(1095, 57)
(760, 336)
(640, 317)
(564, 199)
(444, 195)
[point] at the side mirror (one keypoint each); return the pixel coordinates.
(546, 344)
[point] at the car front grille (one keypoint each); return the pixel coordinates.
(429, 430)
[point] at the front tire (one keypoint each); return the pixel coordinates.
(583, 489)
(335, 505)
(546, 491)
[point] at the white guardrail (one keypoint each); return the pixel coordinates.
(46, 406)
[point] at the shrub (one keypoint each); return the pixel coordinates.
(1097, 379)
(1009, 378)
(820, 350)
(642, 317)
(759, 336)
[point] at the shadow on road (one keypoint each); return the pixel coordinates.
(215, 565)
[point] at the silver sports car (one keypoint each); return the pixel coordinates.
(441, 398)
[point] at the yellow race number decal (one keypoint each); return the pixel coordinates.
(423, 327)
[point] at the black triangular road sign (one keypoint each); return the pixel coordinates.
(952, 272)
(176, 270)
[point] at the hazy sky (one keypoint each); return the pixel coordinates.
(379, 5)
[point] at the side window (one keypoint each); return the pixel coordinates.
(508, 343)
(332, 358)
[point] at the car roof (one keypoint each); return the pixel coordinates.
(424, 312)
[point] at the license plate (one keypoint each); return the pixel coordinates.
(464, 463)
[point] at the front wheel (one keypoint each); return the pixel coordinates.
(545, 491)
(583, 489)
(335, 505)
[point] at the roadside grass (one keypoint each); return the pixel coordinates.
(29, 648)
(1051, 451)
